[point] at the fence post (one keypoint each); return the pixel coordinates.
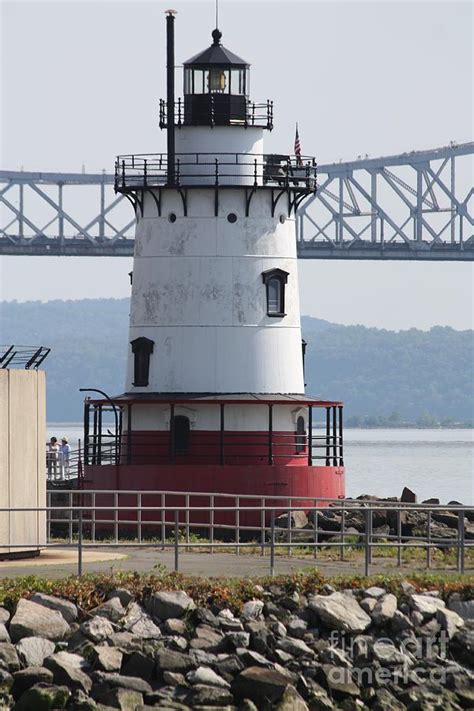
(316, 532)
(211, 524)
(428, 540)
(237, 525)
(371, 523)
(70, 517)
(176, 541)
(48, 516)
(367, 542)
(272, 545)
(186, 500)
(343, 531)
(163, 522)
(93, 517)
(116, 503)
(399, 534)
(461, 541)
(289, 526)
(79, 544)
(262, 526)
(139, 517)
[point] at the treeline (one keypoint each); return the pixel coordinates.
(385, 378)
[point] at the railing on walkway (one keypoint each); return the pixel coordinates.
(170, 520)
(60, 468)
(27, 357)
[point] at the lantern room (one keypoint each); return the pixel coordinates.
(216, 87)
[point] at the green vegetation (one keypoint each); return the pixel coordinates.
(90, 590)
(385, 378)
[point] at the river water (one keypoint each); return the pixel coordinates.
(431, 462)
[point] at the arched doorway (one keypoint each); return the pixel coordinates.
(181, 430)
(300, 435)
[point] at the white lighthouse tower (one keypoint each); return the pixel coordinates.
(214, 397)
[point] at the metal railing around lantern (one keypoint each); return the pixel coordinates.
(255, 115)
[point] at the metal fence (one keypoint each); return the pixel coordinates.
(170, 520)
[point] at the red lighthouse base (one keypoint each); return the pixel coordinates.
(306, 487)
(217, 468)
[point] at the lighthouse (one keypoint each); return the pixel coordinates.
(214, 398)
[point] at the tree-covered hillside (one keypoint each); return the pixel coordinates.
(376, 372)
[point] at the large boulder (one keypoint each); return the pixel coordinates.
(97, 629)
(384, 609)
(167, 660)
(67, 609)
(111, 609)
(295, 519)
(260, 685)
(68, 674)
(206, 676)
(34, 620)
(9, 657)
(449, 620)
(291, 701)
(34, 650)
(26, 678)
(169, 604)
(425, 605)
(138, 622)
(42, 697)
(340, 611)
(464, 608)
(108, 659)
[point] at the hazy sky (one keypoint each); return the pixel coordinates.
(80, 83)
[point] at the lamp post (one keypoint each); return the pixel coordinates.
(109, 400)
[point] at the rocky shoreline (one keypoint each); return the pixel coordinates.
(350, 649)
(440, 524)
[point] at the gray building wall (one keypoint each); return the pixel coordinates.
(22, 459)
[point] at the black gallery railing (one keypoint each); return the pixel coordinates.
(321, 444)
(142, 170)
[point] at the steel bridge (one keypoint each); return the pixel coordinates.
(412, 206)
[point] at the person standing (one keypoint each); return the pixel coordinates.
(64, 454)
(52, 458)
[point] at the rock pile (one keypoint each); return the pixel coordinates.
(443, 523)
(350, 649)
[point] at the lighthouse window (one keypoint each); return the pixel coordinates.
(300, 435)
(181, 428)
(275, 280)
(142, 348)
(172, 217)
(232, 217)
(274, 296)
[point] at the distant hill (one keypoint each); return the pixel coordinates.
(412, 374)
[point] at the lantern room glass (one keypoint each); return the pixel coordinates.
(216, 80)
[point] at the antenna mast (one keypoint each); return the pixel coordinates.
(217, 13)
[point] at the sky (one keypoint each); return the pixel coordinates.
(80, 83)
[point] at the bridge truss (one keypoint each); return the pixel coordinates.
(413, 206)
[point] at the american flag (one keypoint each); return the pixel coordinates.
(298, 147)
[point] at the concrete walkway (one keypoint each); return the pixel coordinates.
(56, 563)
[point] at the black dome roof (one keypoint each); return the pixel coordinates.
(216, 54)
